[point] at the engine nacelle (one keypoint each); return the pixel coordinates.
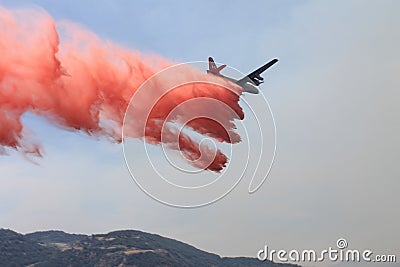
(259, 77)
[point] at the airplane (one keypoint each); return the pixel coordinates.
(249, 83)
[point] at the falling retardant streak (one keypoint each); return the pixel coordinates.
(67, 75)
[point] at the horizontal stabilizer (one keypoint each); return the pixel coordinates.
(212, 67)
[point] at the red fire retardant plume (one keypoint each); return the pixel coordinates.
(84, 84)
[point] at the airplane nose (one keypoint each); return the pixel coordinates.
(251, 88)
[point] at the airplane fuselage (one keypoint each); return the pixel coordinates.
(246, 83)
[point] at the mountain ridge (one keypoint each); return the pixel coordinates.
(117, 248)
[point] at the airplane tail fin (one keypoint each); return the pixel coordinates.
(212, 67)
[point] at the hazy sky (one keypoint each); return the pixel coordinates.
(334, 95)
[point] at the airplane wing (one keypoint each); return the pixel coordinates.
(255, 76)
